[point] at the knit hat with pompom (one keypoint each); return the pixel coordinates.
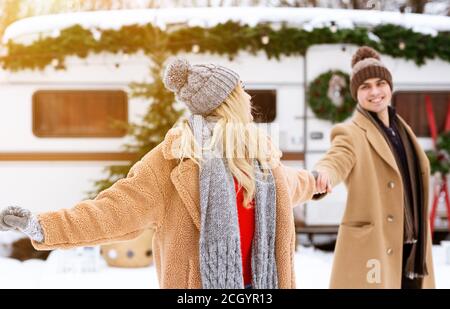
(366, 64)
(202, 87)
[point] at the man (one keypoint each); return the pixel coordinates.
(384, 239)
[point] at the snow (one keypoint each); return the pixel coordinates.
(374, 37)
(64, 270)
(313, 270)
(437, 8)
(426, 31)
(30, 28)
(10, 237)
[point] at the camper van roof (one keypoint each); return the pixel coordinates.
(28, 28)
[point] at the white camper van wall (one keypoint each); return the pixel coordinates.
(159, 118)
(329, 96)
(224, 39)
(228, 39)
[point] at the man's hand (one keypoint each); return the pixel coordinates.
(323, 182)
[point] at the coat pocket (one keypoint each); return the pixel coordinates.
(357, 224)
(356, 229)
(355, 246)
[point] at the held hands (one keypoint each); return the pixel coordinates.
(323, 182)
(14, 217)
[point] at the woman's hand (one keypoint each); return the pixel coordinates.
(323, 182)
(18, 218)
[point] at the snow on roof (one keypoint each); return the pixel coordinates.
(209, 17)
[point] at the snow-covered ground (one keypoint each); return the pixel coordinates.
(313, 268)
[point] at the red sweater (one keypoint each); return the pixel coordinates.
(247, 229)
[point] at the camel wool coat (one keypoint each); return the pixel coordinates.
(162, 193)
(370, 237)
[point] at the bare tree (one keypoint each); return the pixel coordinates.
(417, 6)
(296, 3)
(357, 5)
(11, 11)
(153, 4)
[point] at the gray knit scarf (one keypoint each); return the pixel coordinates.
(220, 250)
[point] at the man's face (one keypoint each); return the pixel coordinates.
(374, 94)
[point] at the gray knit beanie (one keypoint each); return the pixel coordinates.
(202, 87)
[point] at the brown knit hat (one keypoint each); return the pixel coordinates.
(366, 64)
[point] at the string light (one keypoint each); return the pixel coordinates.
(401, 45)
(55, 63)
(195, 48)
(265, 39)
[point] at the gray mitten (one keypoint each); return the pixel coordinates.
(14, 217)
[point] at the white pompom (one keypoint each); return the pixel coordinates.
(176, 73)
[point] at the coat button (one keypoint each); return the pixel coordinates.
(391, 185)
(390, 218)
(389, 251)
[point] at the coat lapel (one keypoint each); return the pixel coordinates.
(184, 176)
(186, 181)
(424, 163)
(377, 140)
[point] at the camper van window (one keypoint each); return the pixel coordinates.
(410, 105)
(264, 104)
(79, 113)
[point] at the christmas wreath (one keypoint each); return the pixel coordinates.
(440, 158)
(330, 98)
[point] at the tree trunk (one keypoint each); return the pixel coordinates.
(417, 6)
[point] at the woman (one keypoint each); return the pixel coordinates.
(384, 240)
(214, 190)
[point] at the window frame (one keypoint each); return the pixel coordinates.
(273, 91)
(37, 121)
(422, 92)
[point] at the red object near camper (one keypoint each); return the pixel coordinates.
(442, 187)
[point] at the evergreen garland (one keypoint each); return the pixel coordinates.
(440, 158)
(224, 39)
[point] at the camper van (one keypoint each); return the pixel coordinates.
(54, 134)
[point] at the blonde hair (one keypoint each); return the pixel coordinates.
(239, 139)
